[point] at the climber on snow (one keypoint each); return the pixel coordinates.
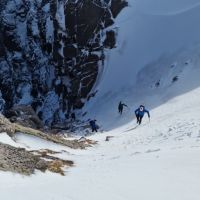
(139, 113)
(93, 125)
(121, 107)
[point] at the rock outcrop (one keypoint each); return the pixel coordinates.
(13, 128)
(6, 126)
(25, 116)
(21, 161)
(52, 51)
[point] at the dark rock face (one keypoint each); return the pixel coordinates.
(25, 116)
(52, 50)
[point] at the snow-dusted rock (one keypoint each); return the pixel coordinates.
(51, 52)
(24, 115)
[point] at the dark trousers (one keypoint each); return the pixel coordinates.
(139, 119)
(120, 110)
(94, 129)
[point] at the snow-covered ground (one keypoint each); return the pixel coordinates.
(158, 40)
(158, 160)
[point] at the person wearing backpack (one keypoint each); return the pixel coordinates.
(139, 113)
(93, 125)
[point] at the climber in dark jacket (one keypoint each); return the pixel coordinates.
(93, 125)
(139, 113)
(121, 107)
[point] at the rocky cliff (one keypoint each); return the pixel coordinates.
(52, 51)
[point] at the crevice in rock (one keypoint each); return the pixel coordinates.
(51, 53)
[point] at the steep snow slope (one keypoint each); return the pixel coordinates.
(163, 7)
(158, 160)
(156, 83)
(144, 36)
(157, 40)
